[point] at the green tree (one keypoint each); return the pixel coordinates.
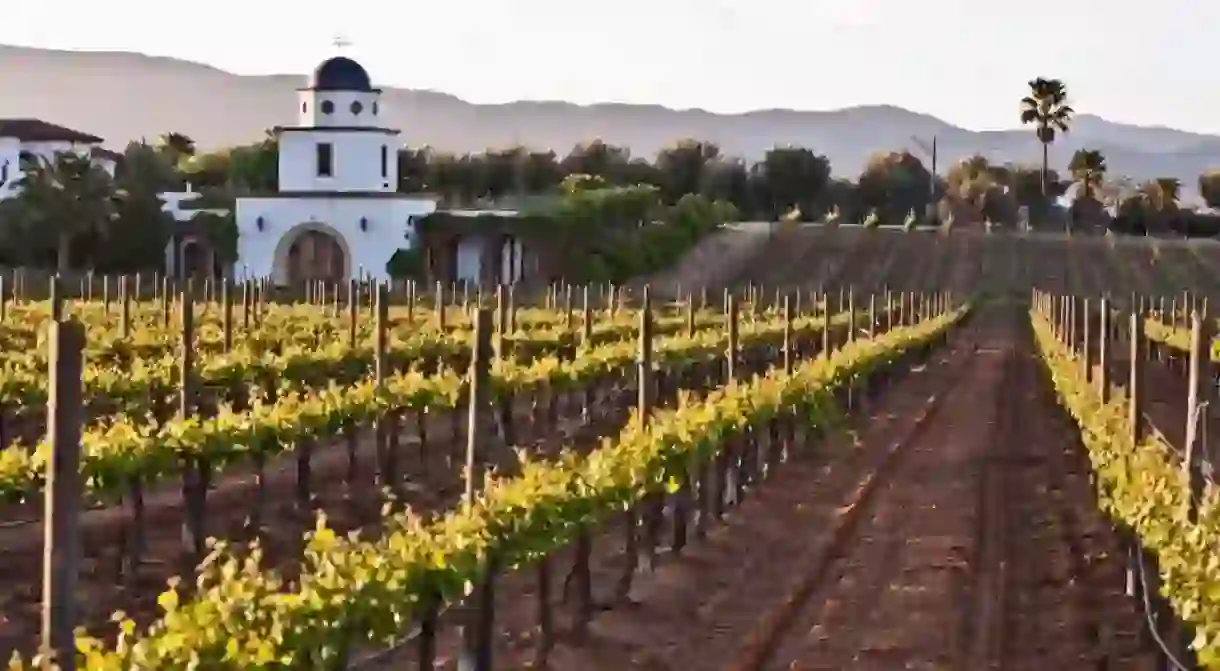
(65, 198)
(177, 147)
(141, 228)
(254, 168)
(893, 184)
(413, 169)
(685, 166)
(1088, 169)
(1209, 188)
(793, 178)
(599, 159)
(1046, 108)
(541, 172)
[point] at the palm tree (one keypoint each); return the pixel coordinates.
(1046, 107)
(69, 196)
(1171, 192)
(177, 144)
(1088, 168)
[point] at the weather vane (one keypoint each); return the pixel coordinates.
(341, 42)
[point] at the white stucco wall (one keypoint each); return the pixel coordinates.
(263, 253)
(356, 162)
(310, 106)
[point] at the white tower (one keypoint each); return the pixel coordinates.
(337, 213)
(338, 144)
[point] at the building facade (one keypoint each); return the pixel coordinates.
(337, 214)
(23, 140)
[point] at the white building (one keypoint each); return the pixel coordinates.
(25, 139)
(337, 213)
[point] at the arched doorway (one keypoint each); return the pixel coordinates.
(312, 252)
(193, 260)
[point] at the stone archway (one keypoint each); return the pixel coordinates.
(311, 251)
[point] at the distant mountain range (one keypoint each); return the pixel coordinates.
(124, 96)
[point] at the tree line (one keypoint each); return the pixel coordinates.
(72, 214)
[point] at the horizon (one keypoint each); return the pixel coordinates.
(708, 56)
(597, 103)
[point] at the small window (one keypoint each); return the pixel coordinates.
(304, 107)
(357, 107)
(326, 159)
(374, 109)
(4, 173)
(328, 107)
(385, 161)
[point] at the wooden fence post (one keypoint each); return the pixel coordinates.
(1086, 348)
(1196, 409)
(61, 542)
(477, 639)
(226, 299)
(1103, 351)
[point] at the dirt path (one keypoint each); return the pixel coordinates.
(954, 529)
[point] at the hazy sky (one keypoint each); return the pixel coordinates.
(966, 62)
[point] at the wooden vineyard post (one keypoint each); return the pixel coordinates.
(245, 304)
(477, 640)
(1196, 410)
(643, 408)
(480, 369)
(851, 338)
(440, 306)
(500, 324)
(1103, 350)
(872, 316)
(654, 502)
(690, 316)
(165, 302)
(1135, 423)
(226, 300)
(784, 434)
(124, 309)
(512, 309)
(728, 476)
(788, 344)
(195, 473)
(824, 354)
(730, 355)
(61, 544)
(411, 301)
(57, 302)
(353, 312)
(569, 317)
(386, 429)
(851, 315)
(586, 342)
(1073, 343)
(889, 310)
(1086, 349)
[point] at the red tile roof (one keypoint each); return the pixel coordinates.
(36, 130)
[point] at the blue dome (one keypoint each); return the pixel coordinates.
(340, 74)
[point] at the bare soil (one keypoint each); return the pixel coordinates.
(953, 528)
